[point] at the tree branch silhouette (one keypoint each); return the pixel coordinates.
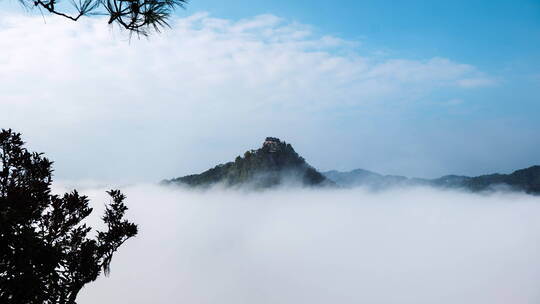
(139, 17)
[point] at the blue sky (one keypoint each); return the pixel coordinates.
(473, 31)
(418, 88)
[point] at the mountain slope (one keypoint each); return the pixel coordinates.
(275, 163)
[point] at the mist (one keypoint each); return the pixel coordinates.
(415, 245)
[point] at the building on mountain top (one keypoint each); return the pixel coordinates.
(272, 143)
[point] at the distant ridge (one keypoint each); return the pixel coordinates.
(361, 177)
(275, 163)
(527, 180)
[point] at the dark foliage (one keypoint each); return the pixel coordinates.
(137, 16)
(46, 255)
(273, 164)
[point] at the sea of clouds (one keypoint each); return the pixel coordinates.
(415, 245)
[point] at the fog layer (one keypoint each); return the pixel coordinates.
(324, 246)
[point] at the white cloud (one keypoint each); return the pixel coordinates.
(319, 246)
(71, 86)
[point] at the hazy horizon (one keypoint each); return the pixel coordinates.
(412, 88)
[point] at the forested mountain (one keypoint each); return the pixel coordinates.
(275, 163)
